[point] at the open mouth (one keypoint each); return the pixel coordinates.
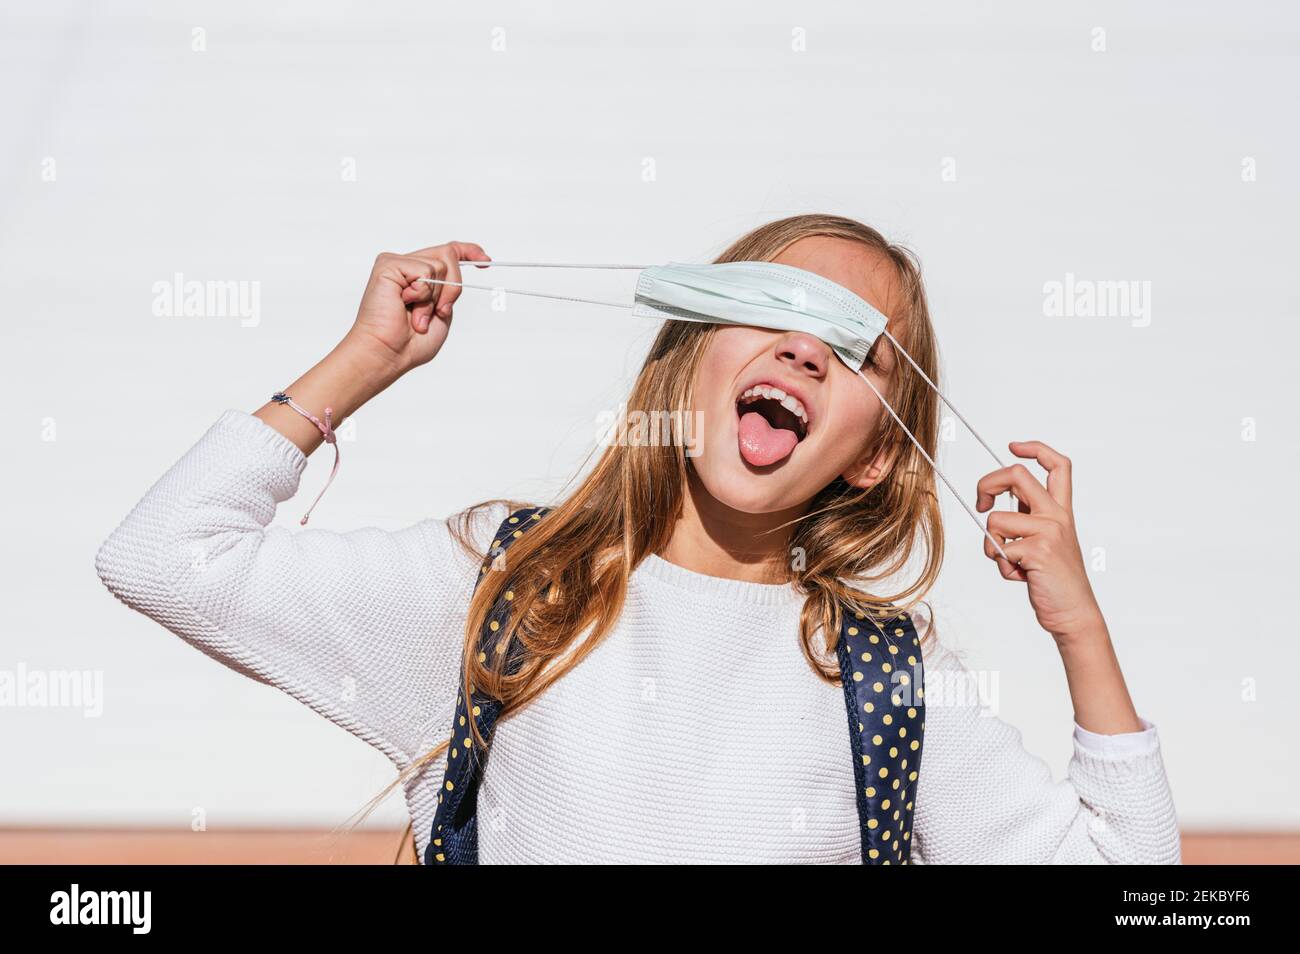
(771, 424)
(776, 407)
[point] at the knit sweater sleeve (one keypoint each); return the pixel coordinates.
(363, 626)
(982, 798)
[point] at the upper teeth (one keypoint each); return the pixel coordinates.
(788, 401)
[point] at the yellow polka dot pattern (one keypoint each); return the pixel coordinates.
(886, 710)
(454, 840)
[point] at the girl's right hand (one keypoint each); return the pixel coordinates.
(403, 320)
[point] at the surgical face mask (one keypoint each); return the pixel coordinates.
(766, 295)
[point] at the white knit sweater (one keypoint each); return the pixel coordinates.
(696, 732)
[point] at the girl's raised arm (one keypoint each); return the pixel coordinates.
(363, 626)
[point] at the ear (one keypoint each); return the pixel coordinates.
(870, 469)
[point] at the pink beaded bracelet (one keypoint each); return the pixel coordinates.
(327, 429)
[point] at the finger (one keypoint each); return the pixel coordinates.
(1017, 564)
(421, 317)
(1018, 478)
(420, 297)
(408, 272)
(438, 291)
(436, 258)
(418, 291)
(1007, 567)
(1008, 524)
(444, 260)
(1010, 572)
(462, 251)
(1007, 527)
(470, 252)
(450, 293)
(404, 272)
(1057, 465)
(447, 256)
(455, 252)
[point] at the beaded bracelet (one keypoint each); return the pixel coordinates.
(327, 428)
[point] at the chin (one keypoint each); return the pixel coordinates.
(746, 491)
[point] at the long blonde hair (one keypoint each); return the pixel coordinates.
(569, 572)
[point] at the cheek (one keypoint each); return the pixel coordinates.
(853, 420)
(730, 350)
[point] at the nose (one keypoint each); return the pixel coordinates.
(804, 354)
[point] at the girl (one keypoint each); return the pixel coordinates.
(682, 633)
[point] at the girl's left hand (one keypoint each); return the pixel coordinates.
(1041, 540)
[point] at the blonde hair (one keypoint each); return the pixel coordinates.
(569, 572)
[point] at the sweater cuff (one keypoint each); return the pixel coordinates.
(253, 428)
(1121, 756)
(1121, 744)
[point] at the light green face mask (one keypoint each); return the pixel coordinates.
(766, 295)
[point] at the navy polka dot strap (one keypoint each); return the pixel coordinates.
(884, 694)
(883, 680)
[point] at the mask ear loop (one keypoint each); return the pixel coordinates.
(549, 265)
(620, 304)
(952, 407)
(997, 546)
(943, 397)
(530, 294)
(533, 294)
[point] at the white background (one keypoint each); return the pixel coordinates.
(226, 164)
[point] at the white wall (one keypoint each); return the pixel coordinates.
(1124, 164)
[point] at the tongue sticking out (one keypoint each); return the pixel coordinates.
(761, 443)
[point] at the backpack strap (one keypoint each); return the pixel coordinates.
(884, 691)
(883, 680)
(454, 839)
